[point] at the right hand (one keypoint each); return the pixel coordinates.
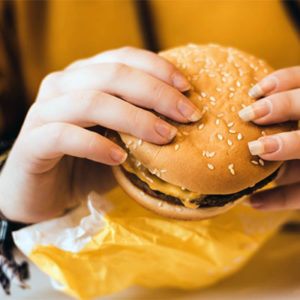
(109, 89)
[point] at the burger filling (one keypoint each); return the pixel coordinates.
(152, 184)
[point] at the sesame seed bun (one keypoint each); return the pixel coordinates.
(210, 156)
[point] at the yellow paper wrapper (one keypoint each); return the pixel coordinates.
(110, 243)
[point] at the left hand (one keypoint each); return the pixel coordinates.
(280, 93)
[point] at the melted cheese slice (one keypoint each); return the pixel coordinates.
(155, 183)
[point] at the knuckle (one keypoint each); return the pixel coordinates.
(50, 79)
(126, 49)
(138, 117)
(118, 70)
(49, 83)
(55, 133)
(89, 101)
(159, 91)
(93, 144)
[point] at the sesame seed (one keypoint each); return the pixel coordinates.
(266, 71)
(231, 95)
(134, 146)
(199, 98)
(203, 94)
(232, 131)
(200, 126)
(221, 66)
(261, 162)
(211, 75)
(217, 122)
(176, 147)
(252, 66)
(254, 162)
(185, 133)
(223, 79)
(183, 188)
(229, 142)
(160, 204)
(232, 89)
(210, 166)
(243, 105)
(232, 108)
(212, 98)
(140, 142)
(218, 89)
(230, 167)
(220, 137)
(238, 259)
(178, 208)
(236, 65)
(183, 66)
(142, 193)
(263, 133)
(230, 124)
(239, 136)
(138, 163)
(220, 115)
(213, 103)
(129, 143)
(238, 84)
(203, 152)
(210, 154)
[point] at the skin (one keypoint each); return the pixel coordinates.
(55, 151)
(280, 102)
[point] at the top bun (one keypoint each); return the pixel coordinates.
(211, 156)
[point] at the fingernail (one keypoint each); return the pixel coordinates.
(165, 130)
(247, 113)
(180, 82)
(118, 155)
(266, 85)
(256, 201)
(189, 111)
(264, 145)
(256, 110)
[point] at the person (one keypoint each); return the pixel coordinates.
(42, 176)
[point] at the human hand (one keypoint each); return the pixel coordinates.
(280, 92)
(40, 177)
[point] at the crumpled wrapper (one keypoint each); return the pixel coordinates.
(110, 243)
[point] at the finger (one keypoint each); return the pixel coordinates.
(89, 108)
(282, 146)
(276, 108)
(278, 81)
(143, 60)
(130, 84)
(48, 143)
(280, 198)
(288, 173)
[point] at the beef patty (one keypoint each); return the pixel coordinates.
(207, 200)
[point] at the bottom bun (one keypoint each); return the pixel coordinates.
(164, 208)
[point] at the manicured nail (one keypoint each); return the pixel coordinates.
(118, 155)
(180, 82)
(266, 85)
(256, 110)
(264, 145)
(189, 111)
(247, 113)
(165, 130)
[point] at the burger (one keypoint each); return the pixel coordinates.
(207, 168)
